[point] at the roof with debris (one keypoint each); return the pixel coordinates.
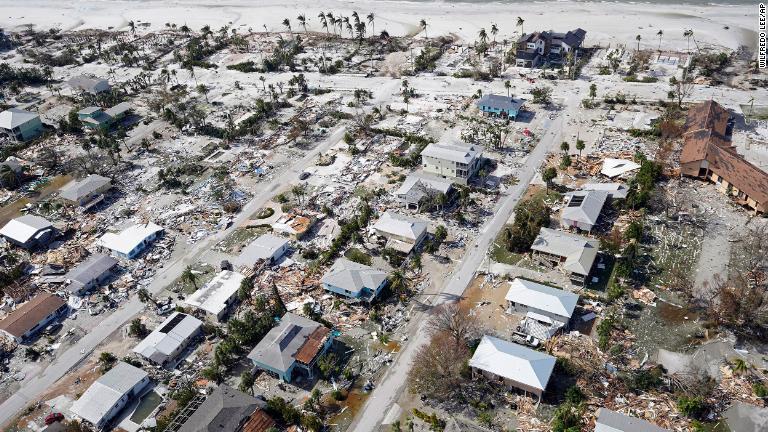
(224, 410)
(612, 421)
(168, 337)
(29, 314)
(461, 153)
(285, 343)
(615, 190)
(107, 391)
(76, 190)
(91, 269)
(584, 206)
(400, 225)
(23, 228)
(214, 296)
(579, 251)
(15, 117)
(417, 184)
(128, 239)
(542, 297)
(261, 248)
(500, 102)
(353, 277)
(514, 362)
(616, 167)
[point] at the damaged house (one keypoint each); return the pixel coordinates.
(89, 274)
(500, 106)
(456, 162)
(708, 154)
(28, 232)
(538, 48)
(97, 119)
(612, 421)
(86, 192)
(546, 309)
(296, 342)
(89, 84)
(228, 410)
(20, 125)
(421, 188)
(574, 254)
(267, 247)
(217, 296)
(582, 209)
(353, 280)
(403, 233)
(31, 317)
(132, 241)
(165, 344)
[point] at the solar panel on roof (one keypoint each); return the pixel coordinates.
(172, 323)
(576, 201)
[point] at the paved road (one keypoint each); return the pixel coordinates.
(394, 381)
(34, 386)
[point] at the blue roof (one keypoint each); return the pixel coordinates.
(500, 102)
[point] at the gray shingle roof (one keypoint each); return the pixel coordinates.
(278, 348)
(79, 189)
(91, 269)
(612, 421)
(500, 102)
(353, 277)
(579, 251)
(225, 410)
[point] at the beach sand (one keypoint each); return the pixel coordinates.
(606, 23)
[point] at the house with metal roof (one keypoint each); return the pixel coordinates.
(96, 118)
(582, 209)
(89, 274)
(26, 320)
(229, 410)
(86, 192)
(457, 162)
(20, 125)
(267, 247)
(354, 280)
(132, 241)
(513, 365)
(612, 421)
(572, 253)
(166, 343)
(89, 84)
(217, 296)
(527, 296)
(28, 231)
(419, 187)
(500, 105)
(403, 233)
(615, 191)
(295, 343)
(109, 394)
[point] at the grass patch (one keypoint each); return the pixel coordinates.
(500, 254)
(241, 236)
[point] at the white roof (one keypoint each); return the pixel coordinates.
(452, 152)
(417, 183)
(615, 190)
(78, 189)
(24, 227)
(612, 421)
(14, 117)
(263, 247)
(353, 277)
(128, 238)
(514, 362)
(579, 251)
(584, 206)
(616, 167)
(542, 297)
(168, 337)
(213, 297)
(399, 225)
(104, 394)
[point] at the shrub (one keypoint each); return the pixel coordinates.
(690, 406)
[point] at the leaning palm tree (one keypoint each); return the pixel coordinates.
(287, 24)
(370, 18)
(660, 33)
(323, 21)
(637, 38)
(520, 22)
(423, 25)
(688, 34)
(302, 19)
(188, 276)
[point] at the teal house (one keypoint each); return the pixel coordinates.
(20, 125)
(500, 106)
(353, 280)
(292, 347)
(95, 118)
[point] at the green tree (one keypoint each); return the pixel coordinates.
(137, 328)
(247, 381)
(189, 276)
(564, 147)
(548, 175)
(593, 91)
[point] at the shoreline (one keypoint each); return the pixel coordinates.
(605, 22)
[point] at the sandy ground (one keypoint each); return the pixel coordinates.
(614, 23)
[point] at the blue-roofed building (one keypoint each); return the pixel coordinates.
(500, 106)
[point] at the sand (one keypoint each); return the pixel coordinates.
(606, 23)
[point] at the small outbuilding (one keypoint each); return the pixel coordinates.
(29, 231)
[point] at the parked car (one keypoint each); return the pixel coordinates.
(53, 418)
(53, 328)
(303, 176)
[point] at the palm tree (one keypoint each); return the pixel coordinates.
(520, 22)
(263, 80)
(660, 33)
(739, 366)
(508, 86)
(370, 18)
(494, 32)
(423, 25)
(298, 191)
(203, 90)
(287, 24)
(565, 147)
(688, 34)
(637, 38)
(8, 177)
(397, 282)
(302, 19)
(331, 21)
(482, 35)
(132, 27)
(188, 276)
(579, 146)
(323, 21)
(406, 91)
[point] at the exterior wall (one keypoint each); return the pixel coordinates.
(141, 246)
(123, 402)
(39, 326)
(696, 169)
(508, 383)
(88, 198)
(577, 224)
(450, 169)
(365, 292)
(30, 129)
(41, 238)
(514, 307)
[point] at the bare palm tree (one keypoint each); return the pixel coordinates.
(660, 33)
(302, 19)
(423, 25)
(688, 34)
(287, 24)
(370, 21)
(520, 22)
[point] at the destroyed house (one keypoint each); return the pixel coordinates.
(20, 125)
(28, 231)
(612, 421)
(295, 225)
(420, 187)
(457, 162)
(500, 106)
(165, 344)
(89, 84)
(512, 365)
(217, 296)
(90, 274)
(573, 254)
(296, 342)
(86, 192)
(132, 241)
(708, 154)
(23, 323)
(228, 410)
(538, 48)
(582, 209)
(353, 280)
(267, 247)
(403, 233)
(109, 394)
